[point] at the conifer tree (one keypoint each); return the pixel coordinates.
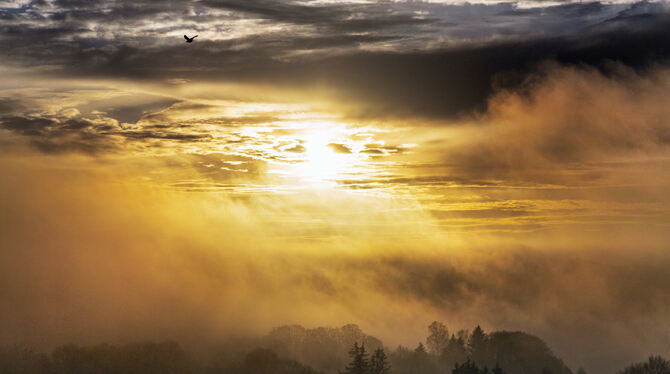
(477, 345)
(359, 360)
(455, 350)
(379, 363)
(468, 367)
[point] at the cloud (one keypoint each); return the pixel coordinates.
(296, 148)
(339, 148)
(568, 118)
(210, 237)
(328, 17)
(492, 187)
(556, 292)
(409, 72)
(198, 267)
(55, 135)
(102, 134)
(144, 247)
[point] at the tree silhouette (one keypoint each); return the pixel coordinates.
(477, 345)
(325, 348)
(379, 363)
(262, 360)
(438, 339)
(455, 351)
(497, 370)
(420, 350)
(468, 367)
(359, 360)
(654, 365)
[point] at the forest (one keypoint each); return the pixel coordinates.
(298, 350)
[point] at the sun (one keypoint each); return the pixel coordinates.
(320, 161)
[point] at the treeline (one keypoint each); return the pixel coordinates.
(654, 365)
(377, 363)
(323, 348)
(141, 358)
(296, 350)
(444, 351)
(460, 352)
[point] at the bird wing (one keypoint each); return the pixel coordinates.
(185, 37)
(194, 37)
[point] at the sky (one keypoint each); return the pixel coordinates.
(322, 162)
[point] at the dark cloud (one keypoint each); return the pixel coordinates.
(28, 126)
(158, 135)
(58, 135)
(339, 148)
(330, 17)
(458, 81)
(298, 148)
(373, 151)
(418, 74)
(429, 82)
(72, 31)
(133, 113)
(53, 135)
(10, 105)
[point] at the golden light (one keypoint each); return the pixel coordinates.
(320, 161)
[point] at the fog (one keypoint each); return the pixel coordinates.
(545, 213)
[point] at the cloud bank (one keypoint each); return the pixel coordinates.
(543, 177)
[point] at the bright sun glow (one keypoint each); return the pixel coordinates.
(321, 162)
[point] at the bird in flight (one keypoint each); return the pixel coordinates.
(189, 40)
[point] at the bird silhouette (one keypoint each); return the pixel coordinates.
(189, 40)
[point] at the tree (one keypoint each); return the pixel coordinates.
(420, 350)
(654, 365)
(379, 363)
(438, 339)
(455, 350)
(359, 360)
(261, 361)
(477, 345)
(498, 370)
(468, 367)
(421, 362)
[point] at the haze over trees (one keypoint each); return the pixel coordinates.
(297, 350)
(511, 352)
(363, 363)
(654, 365)
(325, 348)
